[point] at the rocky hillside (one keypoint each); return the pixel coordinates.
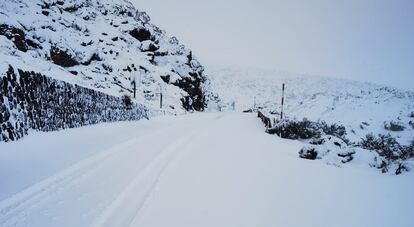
(339, 122)
(103, 45)
(362, 108)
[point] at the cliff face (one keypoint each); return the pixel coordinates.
(103, 45)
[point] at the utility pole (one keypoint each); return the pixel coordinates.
(283, 100)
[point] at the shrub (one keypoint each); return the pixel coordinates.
(389, 149)
(17, 36)
(305, 129)
(401, 168)
(141, 34)
(334, 130)
(385, 145)
(308, 153)
(394, 126)
(347, 156)
(408, 151)
(317, 141)
(126, 100)
(292, 129)
(62, 57)
(412, 114)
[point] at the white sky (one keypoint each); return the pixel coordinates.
(369, 40)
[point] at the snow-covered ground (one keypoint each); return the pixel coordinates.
(361, 107)
(167, 172)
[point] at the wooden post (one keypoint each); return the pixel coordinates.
(254, 103)
(160, 97)
(281, 109)
(283, 100)
(135, 88)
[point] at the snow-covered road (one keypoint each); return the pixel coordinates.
(211, 169)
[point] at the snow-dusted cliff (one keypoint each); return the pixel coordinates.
(104, 45)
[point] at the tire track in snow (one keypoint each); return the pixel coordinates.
(123, 209)
(12, 209)
(127, 206)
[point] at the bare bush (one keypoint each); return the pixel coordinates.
(394, 126)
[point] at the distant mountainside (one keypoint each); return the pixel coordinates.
(362, 108)
(104, 45)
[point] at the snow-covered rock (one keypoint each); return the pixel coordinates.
(104, 45)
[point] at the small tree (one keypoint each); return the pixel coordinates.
(394, 126)
(408, 151)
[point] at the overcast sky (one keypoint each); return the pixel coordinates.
(371, 40)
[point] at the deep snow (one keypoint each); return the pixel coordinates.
(166, 172)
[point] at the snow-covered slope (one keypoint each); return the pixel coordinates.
(103, 45)
(361, 107)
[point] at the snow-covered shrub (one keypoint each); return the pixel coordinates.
(294, 129)
(334, 130)
(408, 151)
(16, 35)
(126, 100)
(412, 114)
(306, 129)
(411, 123)
(317, 141)
(347, 156)
(392, 152)
(332, 150)
(386, 146)
(62, 57)
(29, 100)
(394, 126)
(141, 34)
(308, 153)
(329, 144)
(401, 168)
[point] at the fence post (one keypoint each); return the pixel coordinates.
(160, 96)
(254, 103)
(281, 110)
(135, 88)
(283, 100)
